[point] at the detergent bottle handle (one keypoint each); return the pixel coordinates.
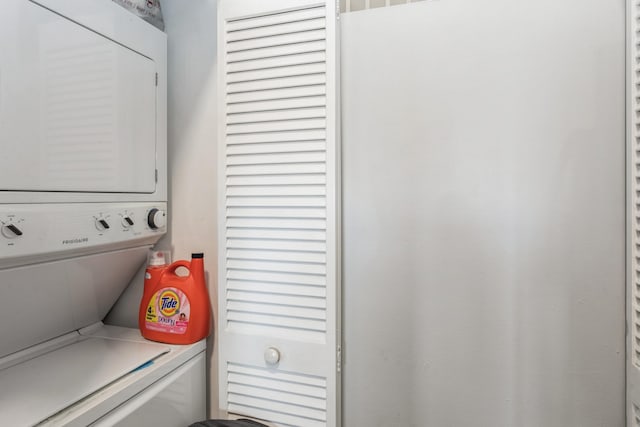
(171, 270)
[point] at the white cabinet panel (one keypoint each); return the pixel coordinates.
(177, 400)
(77, 110)
(38, 388)
(484, 214)
(279, 212)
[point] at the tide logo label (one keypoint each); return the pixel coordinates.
(169, 303)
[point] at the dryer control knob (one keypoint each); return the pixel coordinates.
(102, 224)
(127, 222)
(156, 219)
(10, 231)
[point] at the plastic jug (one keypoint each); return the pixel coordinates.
(176, 310)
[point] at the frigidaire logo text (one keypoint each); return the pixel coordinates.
(75, 241)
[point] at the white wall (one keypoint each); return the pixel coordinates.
(191, 30)
(483, 164)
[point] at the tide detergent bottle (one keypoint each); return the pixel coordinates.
(176, 308)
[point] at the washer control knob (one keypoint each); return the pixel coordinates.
(272, 356)
(127, 222)
(10, 231)
(156, 219)
(102, 224)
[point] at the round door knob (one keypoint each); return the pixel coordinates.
(156, 219)
(271, 356)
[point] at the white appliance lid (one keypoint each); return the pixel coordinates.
(38, 388)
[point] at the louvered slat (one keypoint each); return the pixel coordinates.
(290, 27)
(280, 244)
(277, 277)
(277, 115)
(276, 41)
(276, 234)
(279, 266)
(266, 298)
(278, 325)
(277, 126)
(277, 51)
(276, 83)
(289, 311)
(261, 200)
(276, 147)
(284, 190)
(277, 158)
(299, 136)
(287, 212)
(276, 288)
(277, 104)
(276, 62)
(302, 389)
(280, 169)
(313, 179)
(277, 72)
(284, 398)
(250, 23)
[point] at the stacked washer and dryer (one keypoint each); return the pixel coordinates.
(83, 196)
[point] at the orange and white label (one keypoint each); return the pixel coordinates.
(168, 311)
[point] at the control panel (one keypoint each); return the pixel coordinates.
(37, 229)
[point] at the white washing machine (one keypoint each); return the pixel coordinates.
(83, 196)
(105, 376)
(56, 372)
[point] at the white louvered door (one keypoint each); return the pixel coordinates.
(633, 213)
(279, 211)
